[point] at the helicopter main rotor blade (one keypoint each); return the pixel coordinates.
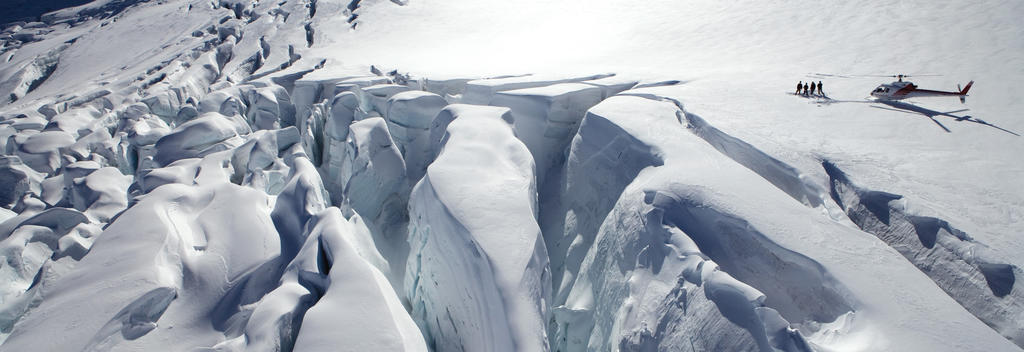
(832, 75)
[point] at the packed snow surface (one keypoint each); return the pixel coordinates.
(426, 175)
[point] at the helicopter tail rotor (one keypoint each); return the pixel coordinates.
(963, 92)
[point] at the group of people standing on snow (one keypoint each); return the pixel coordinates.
(802, 88)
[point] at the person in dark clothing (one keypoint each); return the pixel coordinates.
(806, 89)
(799, 86)
(813, 86)
(822, 92)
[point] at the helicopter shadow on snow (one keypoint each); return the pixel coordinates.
(905, 107)
(909, 108)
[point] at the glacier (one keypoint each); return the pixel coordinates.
(306, 175)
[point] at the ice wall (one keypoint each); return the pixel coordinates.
(410, 115)
(476, 208)
(546, 118)
(481, 91)
(374, 182)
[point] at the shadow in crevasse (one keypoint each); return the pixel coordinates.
(931, 114)
(31, 10)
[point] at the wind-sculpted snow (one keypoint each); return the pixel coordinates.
(330, 296)
(256, 164)
(356, 291)
(169, 258)
(16, 179)
(208, 133)
(301, 199)
(39, 247)
(478, 276)
(99, 193)
(41, 151)
(375, 98)
(77, 121)
(439, 126)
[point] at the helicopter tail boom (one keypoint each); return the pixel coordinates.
(961, 92)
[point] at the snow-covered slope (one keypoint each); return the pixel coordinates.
(507, 175)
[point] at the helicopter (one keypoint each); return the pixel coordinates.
(901, 90)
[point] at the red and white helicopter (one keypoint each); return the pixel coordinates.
(901, 90)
